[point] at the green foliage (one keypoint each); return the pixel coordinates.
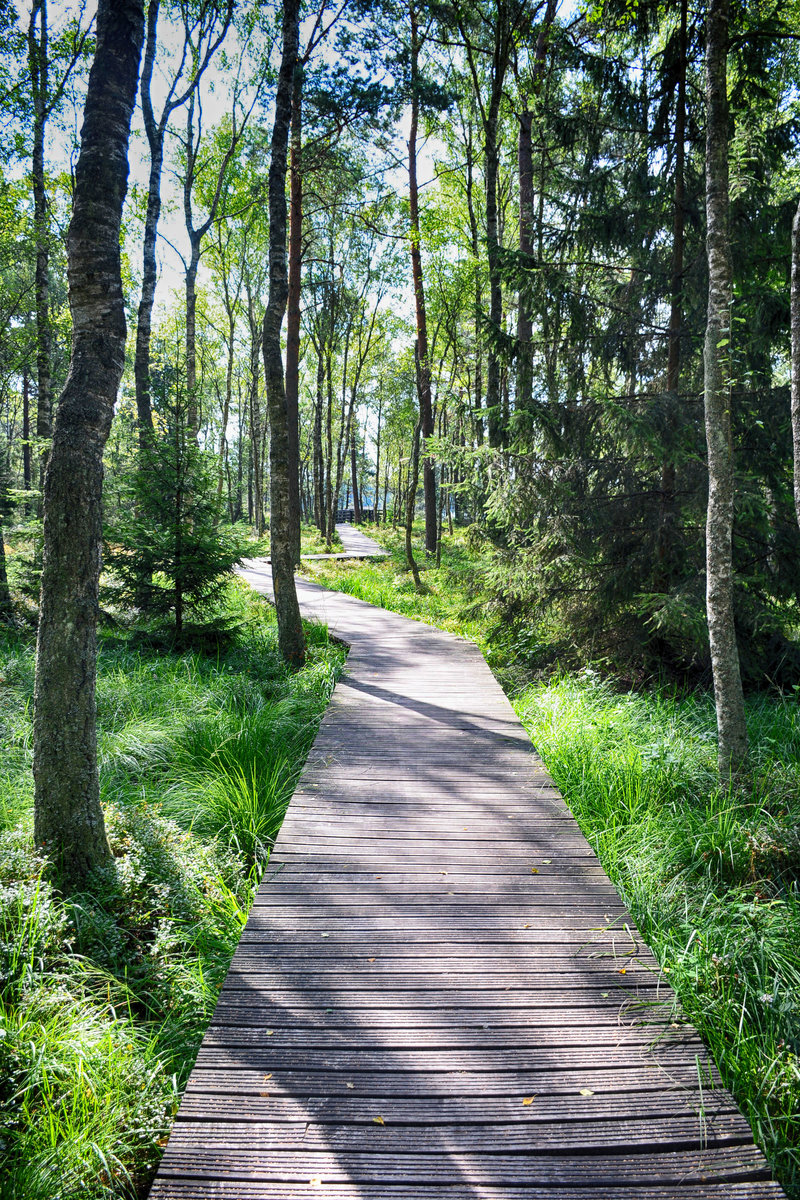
(711, 879)
(169, 552)
(104, 997)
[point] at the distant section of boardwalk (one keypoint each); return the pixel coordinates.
(438, 994)
(356, 545)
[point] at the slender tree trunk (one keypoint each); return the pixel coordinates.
(477, 398)
(319, 458)
(795, 323)
(527, 220)
(378, 453)
(6, 609)
(493, 397)
(667, 515)
(423, 358)
(27, 475)
(331, 501)
(226, 406)
(68, 821)
(293, 309)
(193, 408)
(256, 487)
(290, 626)
(155, 138)
(385, 491)
(411, 503)
(526, 227)
(731, 727)
(357, 515)
(39, 71)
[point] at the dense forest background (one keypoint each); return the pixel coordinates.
(513, 193)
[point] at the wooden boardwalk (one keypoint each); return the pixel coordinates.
(356, 545)
(438, 993)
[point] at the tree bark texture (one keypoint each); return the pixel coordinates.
(27, 479)
(290, 626)
(667, 515)
(68, 819)
(293, 309)
(795, 323)
(527, 219)
(39, 68)
(731, 727)
(155, 138)
(423, 358)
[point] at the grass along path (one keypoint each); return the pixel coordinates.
(712, 880)
(105, 996)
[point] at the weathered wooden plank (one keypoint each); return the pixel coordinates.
(392, 1137)
(180, 1188)
(677, 1168)
(652, 1105)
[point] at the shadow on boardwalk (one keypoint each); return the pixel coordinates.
(438, 992)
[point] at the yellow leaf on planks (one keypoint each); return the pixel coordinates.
(586, 1092)
(379, 1120)
(534, 870)
(526, 1100)
(350, 1085)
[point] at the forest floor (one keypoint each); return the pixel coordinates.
(710, 877)
(105, 996)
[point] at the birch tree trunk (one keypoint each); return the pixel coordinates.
(68, 820)
(731, 727)
(293, 310)
(290, 627)
(423, 359)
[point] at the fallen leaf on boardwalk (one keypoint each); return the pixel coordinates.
(269, 1032)
(350, 1085)
(623, 971)
(526, 926)
(526, 1100)
(324, 935)
(534, 870)
(379, 1120)
(587, 1092)
(370, 960)
(547, 861)
(264, 1094)
(379, 877)
(266, 1077)
(443, 872)
(604, 995)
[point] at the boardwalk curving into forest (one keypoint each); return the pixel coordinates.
(438, 992)
(356, 545)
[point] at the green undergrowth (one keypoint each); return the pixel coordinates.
(710, 878)
(104, 996)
